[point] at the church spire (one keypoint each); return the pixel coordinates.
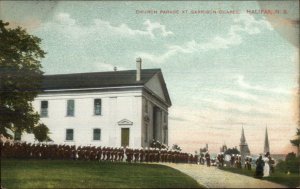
(244, 149)
(266, 146)
(243, 139)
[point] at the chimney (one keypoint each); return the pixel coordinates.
(138, 68)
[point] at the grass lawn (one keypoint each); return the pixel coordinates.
(292, 180)
(90, 174)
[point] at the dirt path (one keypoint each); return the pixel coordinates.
(212, 177)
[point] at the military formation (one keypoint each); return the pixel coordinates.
(23, 150)
(70, 152)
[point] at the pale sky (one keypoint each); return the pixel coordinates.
(222, 70)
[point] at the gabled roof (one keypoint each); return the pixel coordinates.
(101, 80)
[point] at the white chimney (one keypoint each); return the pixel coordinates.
(138, 68)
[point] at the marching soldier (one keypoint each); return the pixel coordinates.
(207, 157)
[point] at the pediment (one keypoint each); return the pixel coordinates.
(125, 122)
(158, 86)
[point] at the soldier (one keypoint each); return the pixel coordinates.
(129, 155)
(156, 155)
(120, 154)
(246, 162)
(239, 162)
(147, 155)
(98, 153)
(221, 160)
(250, 162)
(104, 151)
(151, 155)
(142, 155)
(232, 160)
(136, 155)
(202, 161)
(207, 158)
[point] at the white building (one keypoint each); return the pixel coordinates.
(119, 108)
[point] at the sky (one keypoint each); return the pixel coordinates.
(227, 64)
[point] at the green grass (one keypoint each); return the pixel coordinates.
(291, 180)
(90, 174)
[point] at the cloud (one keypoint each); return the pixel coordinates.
(244, 24)
(64, 19)
(234, 93)
(242, 83)
(65, 24)
(156, 26)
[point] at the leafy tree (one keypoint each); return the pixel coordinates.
(176, 147)
(291, 164)
(290, 156)
(157, 144)
(20, 80)
(231, 151)
(296, 140)
(39, 133)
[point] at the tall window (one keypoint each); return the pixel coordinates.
(69, 134)
(97, 134)
(97, 106)
(70, 107)
(44, 108)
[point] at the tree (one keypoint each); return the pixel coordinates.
(231, 151)
(291, 164)
(20, 80)
(157, 144)
(296, 141)
(39, 133)
(176, 148)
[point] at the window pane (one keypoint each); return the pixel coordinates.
(18, 135)
(44, 104)
(97, 134)
(69, 134)
(44, 108)
(97, 106)
(70, 108)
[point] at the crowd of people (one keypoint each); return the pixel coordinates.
(23, 150)
(264, 166)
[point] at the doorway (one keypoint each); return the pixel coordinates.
(124, 137)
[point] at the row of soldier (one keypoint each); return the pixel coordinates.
(44, 151)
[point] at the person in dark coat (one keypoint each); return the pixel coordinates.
(207, 158)
(259, 171)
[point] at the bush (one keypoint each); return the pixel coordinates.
(291, 164)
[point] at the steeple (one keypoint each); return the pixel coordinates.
(244, 149)
(243, 139)
(266, 146)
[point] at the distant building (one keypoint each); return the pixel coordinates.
(223, 148)
(266, 145)
(205, 149)
(117, 108)
(244, 149)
